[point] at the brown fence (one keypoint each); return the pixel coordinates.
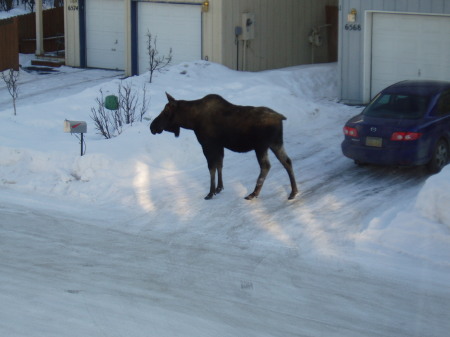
(18, 35)
(53, 22)
(9, 44)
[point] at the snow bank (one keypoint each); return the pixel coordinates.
(433, 201)
(415, 230)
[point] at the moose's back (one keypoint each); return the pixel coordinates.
(238, 128)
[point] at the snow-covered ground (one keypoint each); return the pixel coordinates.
(13, 12)
(119, 242)
(22, 8)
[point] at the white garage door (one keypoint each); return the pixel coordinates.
(105, 26)
(409, 47)
(176, 26)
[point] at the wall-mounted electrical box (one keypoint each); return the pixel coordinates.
(248, 26)
(75, 126)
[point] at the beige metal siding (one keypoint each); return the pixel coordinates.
(281, 33)
(72, 33)
(282, 28)
(212, 32)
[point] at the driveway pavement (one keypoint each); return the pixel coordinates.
(72, 80)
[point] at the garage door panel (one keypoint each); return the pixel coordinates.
(107, 40)
(409, 47)
(175, 26)
(406, 24)
(105, 37)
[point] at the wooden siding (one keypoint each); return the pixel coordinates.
(53, 22)
(9, 45)
(351, 42)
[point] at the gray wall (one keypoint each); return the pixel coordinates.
(351, 42)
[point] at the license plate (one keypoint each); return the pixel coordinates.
(374, 141)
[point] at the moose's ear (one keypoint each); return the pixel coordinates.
(170, 98)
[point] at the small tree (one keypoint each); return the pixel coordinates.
(11, 77)
(30, 4)
(6, 5)
(102, 118)
(128, 101)
(145, 103)
(156, 62)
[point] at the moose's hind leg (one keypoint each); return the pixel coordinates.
(281, 155)
(264, 164)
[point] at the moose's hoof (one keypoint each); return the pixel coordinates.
(219, 189)
(209, 196)
(292, 195)
(251, 196)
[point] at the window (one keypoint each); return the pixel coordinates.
(443, 106)
(398, 106)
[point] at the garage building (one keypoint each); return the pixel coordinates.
(383, 42)
(241, 34)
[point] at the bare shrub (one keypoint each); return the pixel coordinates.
(110, 123)
(11, 77)
(102, 118)
(156, 62)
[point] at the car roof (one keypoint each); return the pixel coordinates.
(418, 87)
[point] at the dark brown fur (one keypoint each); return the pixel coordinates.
(218, 124)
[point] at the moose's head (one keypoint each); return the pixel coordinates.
(166, 120)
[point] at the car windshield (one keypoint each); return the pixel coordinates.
(397, 106)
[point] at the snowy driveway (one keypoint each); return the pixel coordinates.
(120, 242)
(61, 277)
(65, 81)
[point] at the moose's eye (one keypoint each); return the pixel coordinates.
(170, 111)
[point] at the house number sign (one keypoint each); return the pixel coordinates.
(73, 5)
(353, 26)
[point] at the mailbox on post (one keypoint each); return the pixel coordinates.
(76, 127)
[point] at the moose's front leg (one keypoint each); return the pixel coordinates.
(212, 185)
(219, 180)
(214, 157)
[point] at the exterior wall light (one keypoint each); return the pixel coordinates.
(351, 17)
(205, 6)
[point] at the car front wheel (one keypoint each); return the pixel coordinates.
(440, 157)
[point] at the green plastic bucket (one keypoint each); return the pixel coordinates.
(112, 102)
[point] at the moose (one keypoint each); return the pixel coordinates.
(219, 124)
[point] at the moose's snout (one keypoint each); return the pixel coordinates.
(154, 128)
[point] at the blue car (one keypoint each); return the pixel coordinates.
(406, 124)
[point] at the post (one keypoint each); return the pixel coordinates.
(39, 28)
(82, 144)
